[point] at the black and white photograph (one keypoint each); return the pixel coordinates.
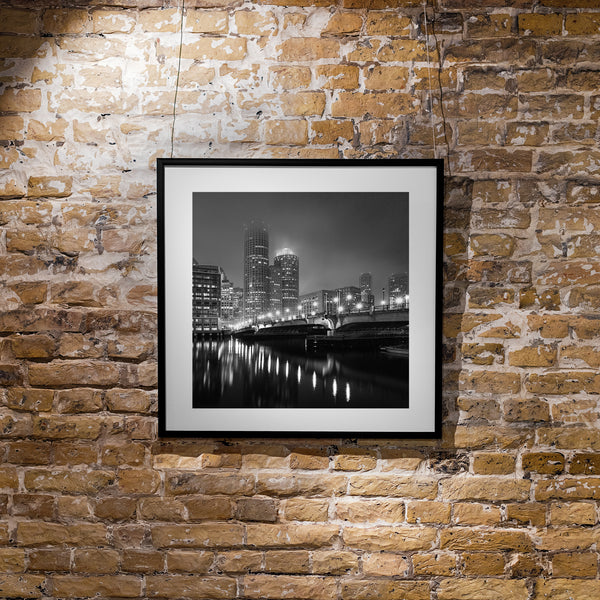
(299, 297)
(300, 300)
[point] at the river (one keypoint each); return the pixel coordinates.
(241, 374)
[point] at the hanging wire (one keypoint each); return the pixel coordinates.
(441, 89)
(429, 78)
(178, 73)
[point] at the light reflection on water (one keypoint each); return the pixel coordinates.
(238, 374)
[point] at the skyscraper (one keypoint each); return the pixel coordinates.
(256, 269)
(226, 298)
(397, 287)
(287, 266)
(365, 283)
(206, 297)
(275, 289)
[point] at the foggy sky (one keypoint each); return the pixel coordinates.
(337, 236)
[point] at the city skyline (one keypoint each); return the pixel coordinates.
(337, 236)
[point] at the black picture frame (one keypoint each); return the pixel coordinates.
(197, 197)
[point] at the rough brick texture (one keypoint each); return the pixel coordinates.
(505, 506)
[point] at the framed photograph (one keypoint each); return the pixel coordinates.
(300, 297)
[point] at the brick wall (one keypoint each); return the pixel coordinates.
(505, 506)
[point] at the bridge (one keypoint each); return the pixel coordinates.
(334, 321)
(399, 316)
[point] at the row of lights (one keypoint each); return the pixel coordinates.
(399, 300)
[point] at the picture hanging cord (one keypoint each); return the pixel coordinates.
(178, 73)
(440, 87)
(429, 78)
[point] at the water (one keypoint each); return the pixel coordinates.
(240, 374)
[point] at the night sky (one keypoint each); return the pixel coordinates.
(337, 236)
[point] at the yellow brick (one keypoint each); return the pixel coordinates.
(22, 585)
(308, 49)
(466, 538)
(331, 132)
(287, 561)
(396, 539)
(428, 512)
(11, 128)
(369, 511)
(343, 24)
(384, 588)
(300, 509)
(476, 514)
(197, 536)
(193, 585)
(240, 561)
(488, 26)
(71, 586)
(207, 48)
(286, 132)
(460, 588)
(393, 485)
(378, 131)
(167, 20)
(186, 561)
(334, 562)
(384, 564)
(435, 564)
(14, 20)
(302, 104)
(540, 24)
(380, 105)
(62, 21)
(261, 587)
(112, 21)
(96, 561)
(572, 513)
(387, 23)
(564, 589)
(331, 77)
(254, 23)
(25, 100)
(582, 24)
(307, 460)
(386, 78)
(575, 564)
(355, 461)
(490, 463)
(290, 77)
(288, 535)
(214, 21)
(48, 131)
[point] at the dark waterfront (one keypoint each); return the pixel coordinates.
(239, 374)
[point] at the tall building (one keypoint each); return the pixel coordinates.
(256, 269)
(226, 297)
(237, 302)
(365, 283)
(287, 267)
(275, 305)
(397, 288)
(206, 297)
